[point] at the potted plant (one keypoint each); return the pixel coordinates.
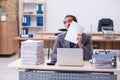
(2, 11)
(1, 5)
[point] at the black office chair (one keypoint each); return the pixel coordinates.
(105, 22)
(62, 30)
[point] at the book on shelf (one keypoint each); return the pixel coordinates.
(26, 21)
(39, 21)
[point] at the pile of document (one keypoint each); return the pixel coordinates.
(104, 61)
(109, 35)
(32, 52)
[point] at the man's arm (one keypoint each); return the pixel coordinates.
(53, 54)
(87, 48)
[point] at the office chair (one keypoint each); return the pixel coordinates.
(105, 22)
(62, 30)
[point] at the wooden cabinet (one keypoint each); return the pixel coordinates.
(8, 32)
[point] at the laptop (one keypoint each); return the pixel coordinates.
(70, 56)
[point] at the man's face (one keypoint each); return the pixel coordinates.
(67, 22)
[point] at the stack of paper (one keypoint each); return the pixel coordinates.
(32, 52)
(104, 60)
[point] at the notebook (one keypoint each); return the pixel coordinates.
(70, 56)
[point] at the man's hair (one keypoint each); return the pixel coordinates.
(74, 18)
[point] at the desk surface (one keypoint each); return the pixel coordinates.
(52, 33)
(100, 38)
(38, 38)
(87, 67)
(94, 38)
(47, 33)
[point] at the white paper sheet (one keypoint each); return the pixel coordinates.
(74, 29)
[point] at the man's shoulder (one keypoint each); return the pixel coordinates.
(62, 34)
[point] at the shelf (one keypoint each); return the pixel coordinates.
(32, 26)
(31, 16)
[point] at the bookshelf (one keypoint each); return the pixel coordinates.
(31, 16)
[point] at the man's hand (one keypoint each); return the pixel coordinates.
(79, 40)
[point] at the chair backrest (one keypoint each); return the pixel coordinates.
(105, 22)
(62, 30)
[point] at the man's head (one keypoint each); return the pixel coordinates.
(68, 19)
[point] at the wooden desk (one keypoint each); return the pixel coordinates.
(48, 41)
(51, 38)
(45, 71)
(98, 41)
(46, 33)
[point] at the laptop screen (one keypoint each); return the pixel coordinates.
(69, 56)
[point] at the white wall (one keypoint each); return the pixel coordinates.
(87, 12)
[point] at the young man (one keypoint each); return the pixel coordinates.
(83, 41)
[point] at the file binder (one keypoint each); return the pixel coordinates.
(40, 21)
(106, 60)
